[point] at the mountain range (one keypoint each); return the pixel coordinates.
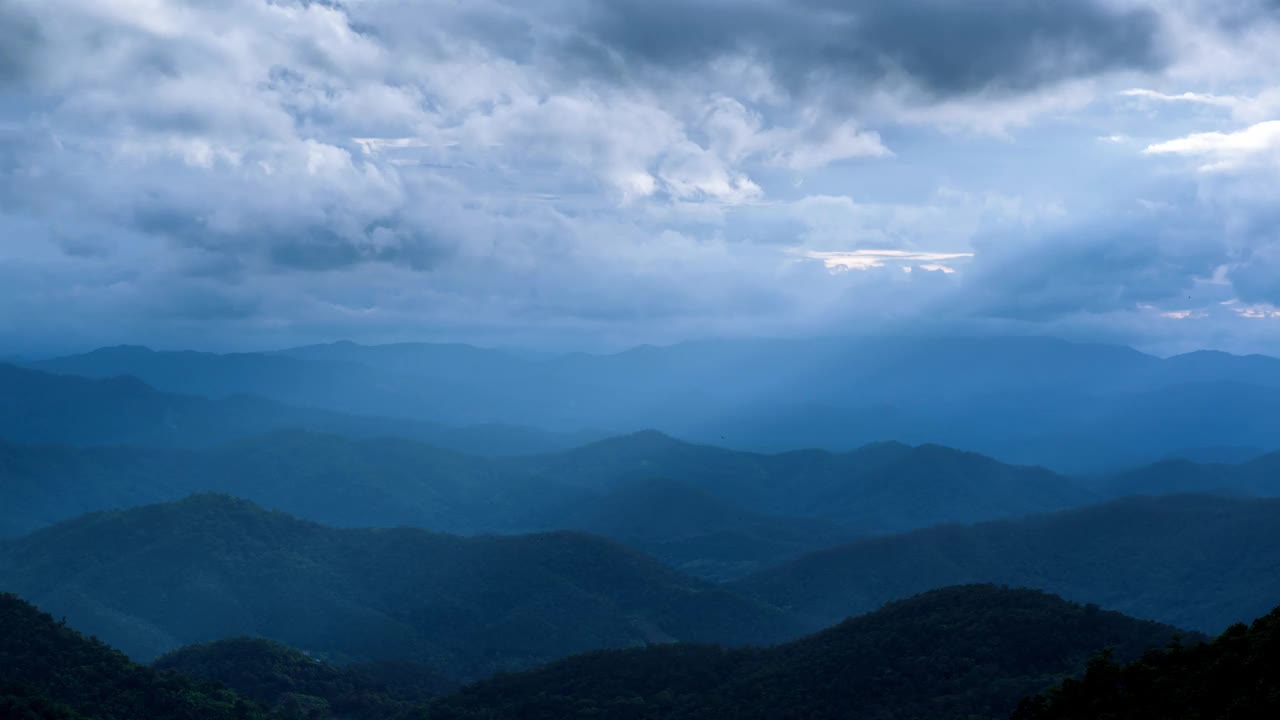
(962, 652)
(40, 407)
(713, 511)
(1073, 407)
(1198, 562)
(153, 578)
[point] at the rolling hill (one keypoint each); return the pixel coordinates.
(294, 684)
(1233, 677)
(719, 513)
(209, 567)
(883, 487)
(328, 478)
(48, 670)
(1197, 562)
(690, 530)
(962, 652)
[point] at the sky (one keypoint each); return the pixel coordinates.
(589, 175)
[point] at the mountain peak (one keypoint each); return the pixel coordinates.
(640, 441)
(122, 350)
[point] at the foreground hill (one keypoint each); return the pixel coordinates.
(293, 684)
(48, 670)
(1232, 678)
(962, 652)
(1193, 561)
(153, 578)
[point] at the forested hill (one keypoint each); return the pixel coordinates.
(293, 684)
(153, 578)
(1193, 561)
(382, 481)
(1232, 678)
(49, 671)
(716, 512)
(963, 652)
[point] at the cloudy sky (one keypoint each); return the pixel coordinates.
(590, 174)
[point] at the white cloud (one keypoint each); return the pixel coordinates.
(840, 261)
(1258, 312)
(1225, 151)
(1253, 108)
(1226, 101)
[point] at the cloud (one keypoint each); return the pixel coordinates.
(1226, 101)
(255, 172)
(1225, 151)
(1244, 108)
(869, 259)
(20, 41)
(940, 48)
(1097, 267)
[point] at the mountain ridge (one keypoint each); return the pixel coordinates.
(152, 578)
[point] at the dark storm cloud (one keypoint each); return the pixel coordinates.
(323, 249)
(1106, 265)
(308, 249)
(943, 47)
(19, 44)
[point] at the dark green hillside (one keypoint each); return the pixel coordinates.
(157, 577)
(962, 652)
(1198, 562)
(279, 677)
(48, 670)
(1232, 678)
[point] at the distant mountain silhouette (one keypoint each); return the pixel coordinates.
(153, 578)
(963, 652)
(1193, 561)
(42, 407)
(1073, 407)
(1257, 477)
